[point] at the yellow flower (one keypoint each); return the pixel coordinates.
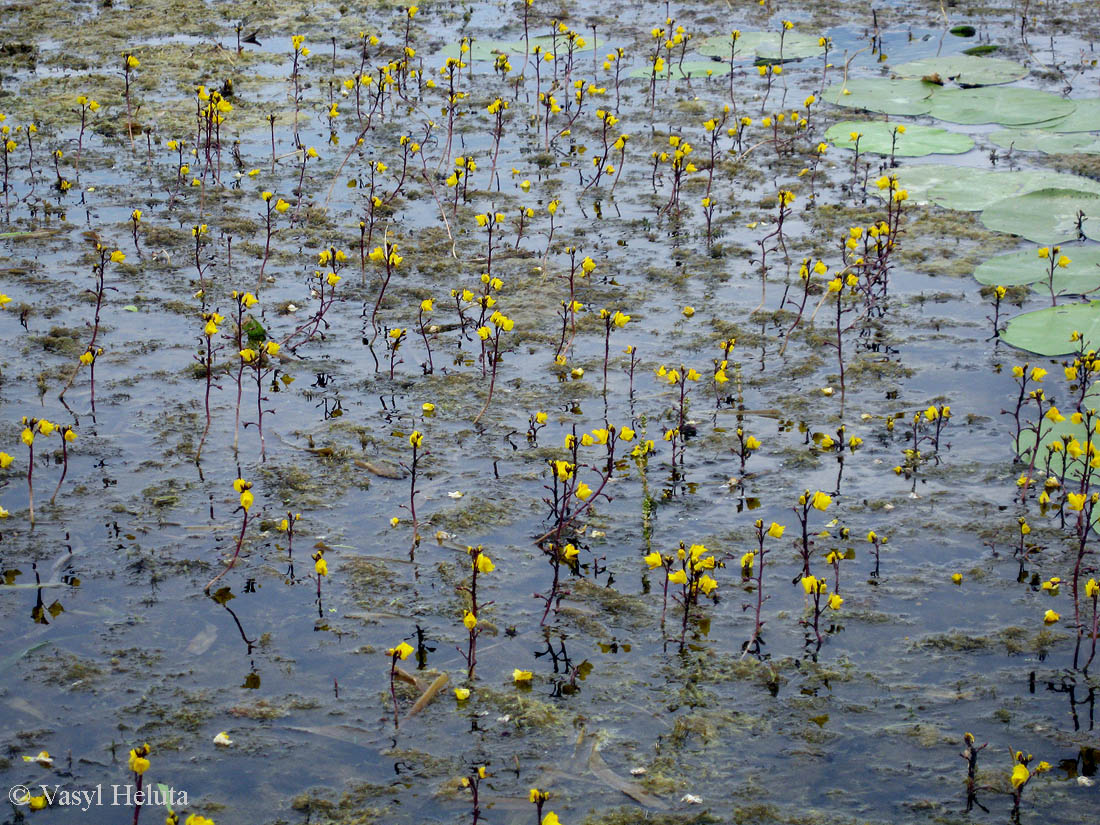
(776, 530)
(35, 803)
(821, 501)
(1050, 617)
(416, 439)
(653, 560)
(485, 564)
(321, 568)
(28, 436)
(1076, 501)
(246, 500)
(462, 694)
(551, 818)
(394, 521)
(469, 620)
(401, 652)
(688, 311)
(138, 763)
(679, 577)
(752, 443)
(1020, 775)
(46, 427)
(957, 578)
(835, 601)
(426, 305)
(522, 676)
(583, 491)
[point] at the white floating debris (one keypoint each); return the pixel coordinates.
(691, 799)
(456, 494)
(223, 739)
(637, 771)
(1085, 782)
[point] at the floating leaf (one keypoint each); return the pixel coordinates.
(966, 70)
(1007, 105)
(130, 308)
(688, 69)
(1046, 216)
(963, 31)
(1085, 118)
(764, 46)
(1042, 140)
(1047, 331)
(985, 48)
(971, 190)
(877, 137)
(880, 94)
(1082, 276)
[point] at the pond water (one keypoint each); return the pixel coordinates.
(146, 603)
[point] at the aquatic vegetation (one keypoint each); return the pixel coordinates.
(556, 368)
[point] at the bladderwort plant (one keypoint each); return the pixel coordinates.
(752, 570)
(393, 340)
(676, 435)
(322, 286)
(205, 359)
(876, 541)
(808, 502)
(258, 358)
(570, 498)
(416, 442)
(480, 563)
(925, 428)
(998, 292)
(817, 591)
(87, 105)
(388, 256)
(92, 351)
(129, 64)
(970, 754)
(68, 436)
(473, 782)
(279, 207)
(320, 571)
(244, 329)
(1055, 261)
(244, 490)
(1020, 778)
(689, 569)
(617, 319)
(491, 348)
(287, 526)
(773, 242)
(139, 764)
(395, 654)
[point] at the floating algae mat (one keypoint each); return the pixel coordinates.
(539, 412)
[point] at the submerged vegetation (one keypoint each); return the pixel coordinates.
(525, 411)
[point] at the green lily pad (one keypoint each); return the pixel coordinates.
(1007, 105)
(764, 46)
(1085, 118)
(1047, 142)
(1081, 277)
(966, 70)
(1047, 331)
(877, 137)
(881, 94)
(1045, 216)
(688, 69)
(972, 190)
